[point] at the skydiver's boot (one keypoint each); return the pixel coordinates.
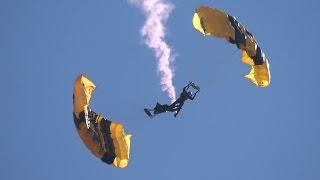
(147, 111)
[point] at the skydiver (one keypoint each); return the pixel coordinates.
(159, 108)
(185, 95)
(175, 106)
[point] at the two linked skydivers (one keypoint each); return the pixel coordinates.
(187, 93)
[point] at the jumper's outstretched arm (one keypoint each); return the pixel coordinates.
(194, 94)
(187, 86)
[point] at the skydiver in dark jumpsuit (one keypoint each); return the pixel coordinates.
(185, 95)
(175, 106)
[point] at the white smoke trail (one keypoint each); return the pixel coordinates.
(153, 33)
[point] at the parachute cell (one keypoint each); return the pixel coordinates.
(211, 21)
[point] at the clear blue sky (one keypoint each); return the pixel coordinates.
(232, 131)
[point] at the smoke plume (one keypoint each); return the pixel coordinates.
(153, 33)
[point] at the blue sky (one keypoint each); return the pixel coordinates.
(232, 131)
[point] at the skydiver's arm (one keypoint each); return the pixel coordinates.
(195, 94)
(187, 86)
(184, 89)
(192, 97)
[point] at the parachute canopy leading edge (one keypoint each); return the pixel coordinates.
(211, 21)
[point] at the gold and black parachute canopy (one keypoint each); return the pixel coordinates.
(92, 134)
(211, 21)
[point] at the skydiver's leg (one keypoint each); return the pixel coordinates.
(178, 109)
(175, 103)
(174, 106)
(169, 108)
(104, 128)
(160, 108)
(176, 113)
(156, 110)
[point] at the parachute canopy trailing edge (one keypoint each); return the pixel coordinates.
(211, 21)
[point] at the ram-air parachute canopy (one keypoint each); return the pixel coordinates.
(211, 21)
(104, 138)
